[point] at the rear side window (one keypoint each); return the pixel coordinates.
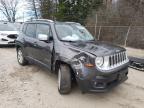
(43, 29)
(31, 30)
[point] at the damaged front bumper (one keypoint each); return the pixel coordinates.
(92, 80)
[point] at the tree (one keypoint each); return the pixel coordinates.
(75, 10)
(9, 9)
(47, 9)
(41, 8)
(67, 10)
(34, 7)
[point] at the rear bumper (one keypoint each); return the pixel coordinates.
(103, 83)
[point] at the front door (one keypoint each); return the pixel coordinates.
(44, 48)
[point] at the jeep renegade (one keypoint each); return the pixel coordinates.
(68, 49)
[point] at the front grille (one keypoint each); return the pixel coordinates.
(12, 36)
(117, 59)
(114, 61)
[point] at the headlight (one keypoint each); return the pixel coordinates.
(99, 61)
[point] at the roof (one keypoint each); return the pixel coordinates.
(48, 20)
(43, 20)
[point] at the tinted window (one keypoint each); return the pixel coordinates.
(31, 30)
(43, 29)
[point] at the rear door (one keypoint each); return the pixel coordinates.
(44, 48)
(30, 40)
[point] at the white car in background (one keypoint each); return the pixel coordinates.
(8, 34)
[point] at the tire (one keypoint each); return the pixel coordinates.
(20, 57)
(64, 79)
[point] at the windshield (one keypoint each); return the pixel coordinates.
(73, 32)
(7, 27)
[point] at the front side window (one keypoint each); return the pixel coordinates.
(42, 29)
(31, 30)
(72, 32)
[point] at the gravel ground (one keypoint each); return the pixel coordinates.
(34, 87)
(135, 52)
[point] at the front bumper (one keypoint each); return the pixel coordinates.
(7, 42)
(102, 83)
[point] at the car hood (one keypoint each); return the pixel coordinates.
(9, 32)
(96, 47)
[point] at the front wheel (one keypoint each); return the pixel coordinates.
(20, 57)
(64, 79)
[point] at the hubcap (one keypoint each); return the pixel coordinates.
(20, 56)
(59, 79)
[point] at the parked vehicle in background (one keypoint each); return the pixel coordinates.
(8, 33)
(137, 63)
(68, 49)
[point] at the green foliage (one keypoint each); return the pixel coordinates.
(97, 3)
(46, 9)
(75, 10)
(68, 10)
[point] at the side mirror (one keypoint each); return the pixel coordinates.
(42, 37)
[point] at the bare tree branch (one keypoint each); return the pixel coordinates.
(33, 6)
(9, 9)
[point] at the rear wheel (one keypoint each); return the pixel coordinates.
(20, 57)
(64, 79)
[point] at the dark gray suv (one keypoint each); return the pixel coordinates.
(68, 49)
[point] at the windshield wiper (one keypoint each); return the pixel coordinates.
(78, 40)
(92, 40)
(67, 41)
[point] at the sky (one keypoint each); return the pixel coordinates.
(22, 13)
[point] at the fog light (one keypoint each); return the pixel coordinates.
(99, 77)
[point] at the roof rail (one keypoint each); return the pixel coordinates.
(73, 22)
(42, 20)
